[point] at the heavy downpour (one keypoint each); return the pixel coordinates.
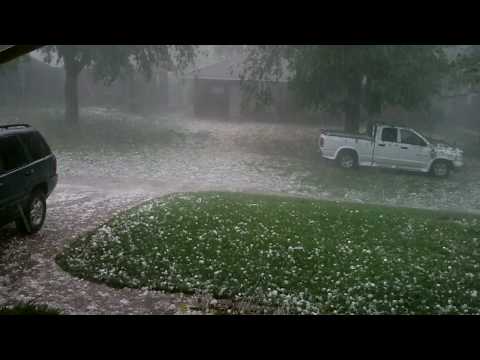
(239, 179)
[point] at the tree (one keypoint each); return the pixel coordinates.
(465, 83)
(108, 62)
(467, 68)
(228, 51)
(349, 78)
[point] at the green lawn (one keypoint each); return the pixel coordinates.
(28, 309)
(301, 255)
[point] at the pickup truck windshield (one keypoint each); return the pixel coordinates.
(410, 138)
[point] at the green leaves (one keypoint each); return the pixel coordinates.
(467, 67)
(333, 76)
(108, 62)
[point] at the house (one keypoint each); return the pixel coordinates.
(217, 92)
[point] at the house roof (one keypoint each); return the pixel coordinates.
(229, 69)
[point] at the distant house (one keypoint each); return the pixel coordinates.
(217, 93)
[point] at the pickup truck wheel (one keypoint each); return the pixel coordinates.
(440, 169)
(347, 160)
(35, 213)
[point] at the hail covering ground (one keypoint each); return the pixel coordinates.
(291, 255)
(96, 183)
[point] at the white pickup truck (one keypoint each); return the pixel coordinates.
(390, 147)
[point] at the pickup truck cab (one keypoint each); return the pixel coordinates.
(391, 147)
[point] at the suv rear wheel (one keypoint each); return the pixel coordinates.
(35, 213)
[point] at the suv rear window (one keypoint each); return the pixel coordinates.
(12, 155)
(35, 145)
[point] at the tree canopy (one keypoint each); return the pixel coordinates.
(467, 67)
(108, 62)
(349, 78)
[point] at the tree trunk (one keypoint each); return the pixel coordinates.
(163, 89)
(72, 71)
(352, 118)
(71, 96)
(352, 106)
(132, 106)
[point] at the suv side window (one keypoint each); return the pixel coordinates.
(410, 138)
(36, 146)
(389, 135)
(12, 154)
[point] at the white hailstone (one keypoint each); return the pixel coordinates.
(474, 293)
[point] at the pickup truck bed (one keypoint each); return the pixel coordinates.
(347, 135)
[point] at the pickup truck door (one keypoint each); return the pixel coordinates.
(387, 148)
(415, 152)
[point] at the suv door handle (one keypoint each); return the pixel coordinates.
(381, 144)
(404, 147)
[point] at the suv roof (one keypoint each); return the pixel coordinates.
(15, 128)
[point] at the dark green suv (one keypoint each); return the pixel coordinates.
(28, 175)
